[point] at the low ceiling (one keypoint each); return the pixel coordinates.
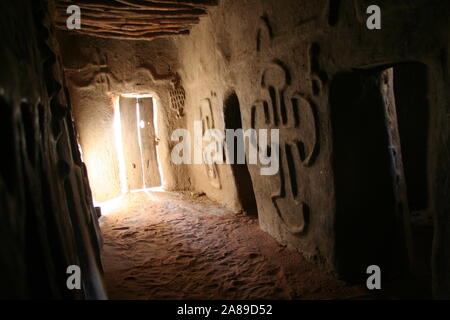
(133, 19)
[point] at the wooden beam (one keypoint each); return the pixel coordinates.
(147, 37)
(128, 31)
(135, 14)
(136, 5)
(133, 19)
(124, 21)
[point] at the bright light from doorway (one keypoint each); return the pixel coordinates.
(111, 205)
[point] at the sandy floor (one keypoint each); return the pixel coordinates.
(169, 246)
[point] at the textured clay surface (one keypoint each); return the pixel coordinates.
(167, 246)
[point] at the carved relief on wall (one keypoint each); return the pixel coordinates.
(177, 97)
(207, 118)
(94, 73)
(98, 72)
(295, 114)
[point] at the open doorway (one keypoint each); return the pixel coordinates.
(380, 132)
(244, 184)
(136, 140)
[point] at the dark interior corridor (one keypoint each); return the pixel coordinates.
(224, 150)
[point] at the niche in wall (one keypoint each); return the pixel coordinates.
(380, 133)
(411, 89)
(241, 174)
(365, 202)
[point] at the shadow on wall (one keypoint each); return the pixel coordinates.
(365, 214)
(380, 164)
(244, 185)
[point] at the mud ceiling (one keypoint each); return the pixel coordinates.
(134, 19)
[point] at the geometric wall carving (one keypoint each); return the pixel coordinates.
(177, 100)
(207, 118)
(177, 96)
(295, 114)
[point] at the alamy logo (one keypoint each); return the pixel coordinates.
(213, 147)
(374, 281)
(74, 280)
(374, 20)
(74, 20)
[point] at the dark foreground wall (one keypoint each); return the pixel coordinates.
(47, 220)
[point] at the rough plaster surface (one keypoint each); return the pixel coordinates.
(98, 69)
(241, 47)
(298, 47)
